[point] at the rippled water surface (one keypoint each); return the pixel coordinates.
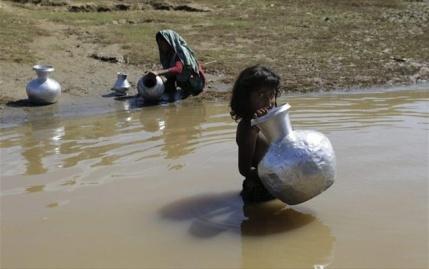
(157, 187)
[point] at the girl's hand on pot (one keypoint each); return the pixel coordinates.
(261, 112)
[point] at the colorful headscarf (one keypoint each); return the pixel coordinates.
(178, 44)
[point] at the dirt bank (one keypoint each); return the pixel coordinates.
(314, 46)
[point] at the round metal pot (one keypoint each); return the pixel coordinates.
(150, 88)
(43, 90)
(298, 164)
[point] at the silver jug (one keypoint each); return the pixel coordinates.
(151, 88)
(121, 85)
(43, 90)
(298, 164)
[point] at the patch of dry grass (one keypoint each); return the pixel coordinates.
(317, 44)
(16, 33)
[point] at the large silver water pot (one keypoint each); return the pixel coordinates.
(121, 85)
(150, 87)
(43, 90)
(298, 164)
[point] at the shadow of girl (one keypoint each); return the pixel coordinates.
(211, 214)
(272, 234)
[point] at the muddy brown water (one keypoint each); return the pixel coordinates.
(158, 187)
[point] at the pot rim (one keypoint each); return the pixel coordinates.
(272, 113)
(43, 68)
(158, 82)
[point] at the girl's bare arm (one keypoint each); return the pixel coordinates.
(246, 140)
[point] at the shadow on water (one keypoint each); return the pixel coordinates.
(212, 214)
(273, 235)
(24, 103)
(136, 101)
(111, 94)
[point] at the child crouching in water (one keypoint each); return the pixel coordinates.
(255, 92)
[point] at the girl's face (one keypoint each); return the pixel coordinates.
(262, 99)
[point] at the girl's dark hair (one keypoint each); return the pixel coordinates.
(250, 79)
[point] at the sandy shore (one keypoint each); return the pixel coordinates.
(86, 81)
(19, 112)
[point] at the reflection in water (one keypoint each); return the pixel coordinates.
(40, 140)
(272, 235)
(299, 240)
(169, 132)
(35, 188)
(152, 120)
(60, 185)
(58, 204)
(182, 126)
(175, 130)
(182, 129)
(271, 218)
(143, 150)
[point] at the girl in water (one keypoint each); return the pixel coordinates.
(255, 92)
